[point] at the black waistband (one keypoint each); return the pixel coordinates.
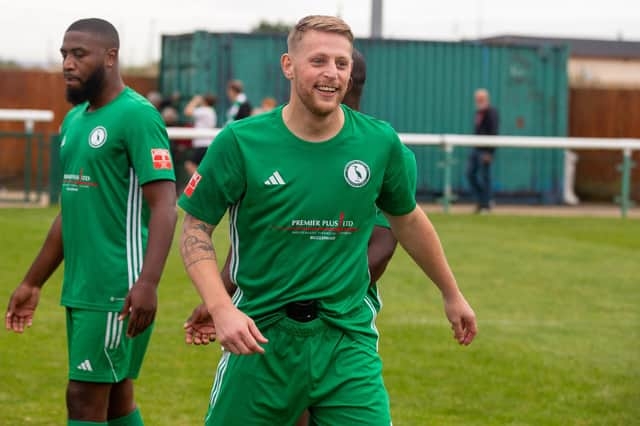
(303, 311)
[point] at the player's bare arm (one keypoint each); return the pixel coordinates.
(24, 300)
(199, 328)
(382, 245)
(142, 301)
(235, 331)
(419, 238)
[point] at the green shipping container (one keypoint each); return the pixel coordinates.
(418, 86)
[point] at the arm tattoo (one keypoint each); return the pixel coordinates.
(197, 247)
(208, 229)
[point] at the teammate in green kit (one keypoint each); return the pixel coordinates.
(114, 229)
(199, 327)
(301, 184)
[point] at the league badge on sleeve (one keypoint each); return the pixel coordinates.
(193, 182)
(161, 159)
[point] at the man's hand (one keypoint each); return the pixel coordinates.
(462, 319)
(486, 158)
(22, 305)
(199, 328)
(140, 305)
(236, 332)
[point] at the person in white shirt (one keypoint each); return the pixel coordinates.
(200, 109)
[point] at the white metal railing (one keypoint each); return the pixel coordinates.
(448, 141)
(28, 116)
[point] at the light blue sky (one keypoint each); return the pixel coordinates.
(31, 30)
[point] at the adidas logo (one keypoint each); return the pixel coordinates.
(85, 366)
(275, 179)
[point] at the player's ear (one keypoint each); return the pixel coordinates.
(287, 66)
(111, 57)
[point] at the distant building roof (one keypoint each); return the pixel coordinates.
(577, 46)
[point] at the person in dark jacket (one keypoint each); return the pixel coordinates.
(240, 105)
(479, 167)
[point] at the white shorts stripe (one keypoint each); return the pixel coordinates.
(107, 332)
(217, 383)
(113, 370)
(114, 331)
(120, 325)
(373, 320)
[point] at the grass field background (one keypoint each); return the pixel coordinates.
(557, 299)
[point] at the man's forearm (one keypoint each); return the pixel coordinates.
(160, 196)
(49, 257)
(417, 235)
(382, 244)
(200, 262)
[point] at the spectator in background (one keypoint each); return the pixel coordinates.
(172, 101)
(155, 98)
(179, 147)
(240, 106)
(479, 167)
(568, 194)
(200, 109)
(267, 105)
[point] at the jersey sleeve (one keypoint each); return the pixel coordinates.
(147, 145)
(397, 195)
(412, 174)
(219, 182)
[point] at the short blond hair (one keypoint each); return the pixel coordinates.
(327, 24)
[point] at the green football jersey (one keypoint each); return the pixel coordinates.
(301, 213)
(412, 175)
(106, 156)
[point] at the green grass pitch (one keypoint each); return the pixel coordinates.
(558, 303)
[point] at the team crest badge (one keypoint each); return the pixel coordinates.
(357, 173)
(97, 137)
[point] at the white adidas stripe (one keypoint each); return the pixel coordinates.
(275, 179)
(133, 228)
(85, 366)
(276, 174)
(235, 240)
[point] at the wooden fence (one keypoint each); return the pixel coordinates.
(38, 90)
(604, 113)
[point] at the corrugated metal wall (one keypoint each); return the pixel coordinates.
(418, 86)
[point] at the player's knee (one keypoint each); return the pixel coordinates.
(87, 401)
(121, 401)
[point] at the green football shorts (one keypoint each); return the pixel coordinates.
(99, 349)
(306, 365)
